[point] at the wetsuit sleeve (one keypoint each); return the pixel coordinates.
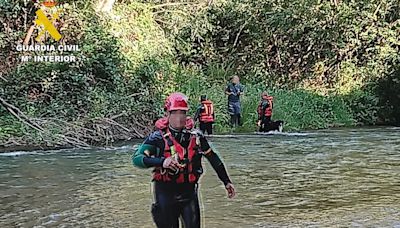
(149, 154)
(215, 161)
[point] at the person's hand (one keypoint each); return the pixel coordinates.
(259, 123)
(230, 189)
(171, 163)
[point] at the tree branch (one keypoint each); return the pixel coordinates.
(1, 76)
(20, 115)
(28, 35)
(238, 34)
(171, 4)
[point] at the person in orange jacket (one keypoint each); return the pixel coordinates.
(264, 111)
(205, 114)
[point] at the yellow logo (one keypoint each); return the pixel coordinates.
(46, 17)
(47, 24)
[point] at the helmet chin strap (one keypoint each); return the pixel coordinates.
(174, 129)
(179, 135)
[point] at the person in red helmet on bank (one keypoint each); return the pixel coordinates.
(175, 151)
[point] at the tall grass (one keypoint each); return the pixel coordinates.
(300, 109)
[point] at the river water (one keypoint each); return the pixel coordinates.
(329, 178)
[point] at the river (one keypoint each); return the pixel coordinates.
(325, 178)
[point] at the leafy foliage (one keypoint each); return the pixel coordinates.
(326, 64)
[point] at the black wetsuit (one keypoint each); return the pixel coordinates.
(173, 200)
(265, 120)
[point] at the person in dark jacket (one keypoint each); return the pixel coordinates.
(234, 90)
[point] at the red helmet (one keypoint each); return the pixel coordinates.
(176, 101)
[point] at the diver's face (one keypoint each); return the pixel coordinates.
(177, 119)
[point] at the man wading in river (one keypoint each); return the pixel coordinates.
(175, 152)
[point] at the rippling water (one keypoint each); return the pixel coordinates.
(331, 178)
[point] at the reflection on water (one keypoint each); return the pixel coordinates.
(330, 178)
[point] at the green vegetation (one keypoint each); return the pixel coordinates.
(327, 63)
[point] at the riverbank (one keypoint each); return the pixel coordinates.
(129, 60)
(299, 109)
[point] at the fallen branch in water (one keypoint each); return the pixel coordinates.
(16, 112)
(74, 141)
(82, 134)
(112, 122)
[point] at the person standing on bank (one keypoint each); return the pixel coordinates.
(205, 114)
(234, 90)
(175, 152)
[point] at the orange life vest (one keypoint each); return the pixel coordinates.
(207, 115)
(268, 110)
(190, 157)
